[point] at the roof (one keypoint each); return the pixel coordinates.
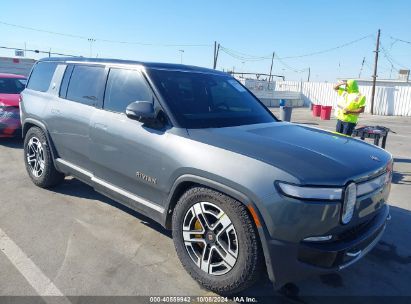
(6, 75)
(153, 65)
(377, 80)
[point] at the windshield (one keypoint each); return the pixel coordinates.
(12, 85)
(200, 100)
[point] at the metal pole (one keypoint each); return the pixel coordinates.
(215, 50)
(91, 40)
(271, 68)
(216, 56)
(374, 77)
(309, 74)
(181, 56)
(362, 66)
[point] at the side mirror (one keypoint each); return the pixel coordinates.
(142, 111)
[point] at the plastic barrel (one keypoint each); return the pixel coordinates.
(316, 110)
(285, 113)
(326, 112)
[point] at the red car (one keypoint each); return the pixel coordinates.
(11, 86)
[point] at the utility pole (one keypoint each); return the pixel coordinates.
(362, 66)
(181, 56)
(309, 74)
(271, 68)
(374, 77)
(216, 50)
(91, 40)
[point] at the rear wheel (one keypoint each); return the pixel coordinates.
(39, 161)
(216, 241)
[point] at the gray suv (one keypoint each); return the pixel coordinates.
(194, 150)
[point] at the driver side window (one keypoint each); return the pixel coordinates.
(124, 87)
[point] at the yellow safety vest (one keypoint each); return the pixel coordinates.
(350, 101)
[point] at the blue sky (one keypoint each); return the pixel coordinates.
(257, 28)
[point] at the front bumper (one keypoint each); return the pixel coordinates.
(10, 125)
(290, 262)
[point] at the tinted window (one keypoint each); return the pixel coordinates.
(65, 81)
(200, 100)
(41, 76)
(123, 88)
(86, 84)
(11, 85)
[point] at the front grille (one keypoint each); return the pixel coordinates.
(353, 232)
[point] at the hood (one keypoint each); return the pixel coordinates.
(10, 99)
(352, 86)
(314, 156)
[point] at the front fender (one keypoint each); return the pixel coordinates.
(186, 181)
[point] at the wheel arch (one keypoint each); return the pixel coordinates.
(184, 182)
(29, 123)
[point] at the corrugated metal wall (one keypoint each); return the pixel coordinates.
(390, 98)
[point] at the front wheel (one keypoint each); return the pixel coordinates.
(216, 241)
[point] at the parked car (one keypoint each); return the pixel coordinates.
(194, 150)
(11, 86)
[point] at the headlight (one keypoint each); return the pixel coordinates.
(350, 198)
(320, 193)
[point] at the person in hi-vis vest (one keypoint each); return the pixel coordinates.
(350, 104)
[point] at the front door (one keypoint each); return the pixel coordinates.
(128, 157)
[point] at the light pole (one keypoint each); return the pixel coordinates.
(91, 40)
(181, 56)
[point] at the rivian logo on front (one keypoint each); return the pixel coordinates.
(146, 178)
(374, 158)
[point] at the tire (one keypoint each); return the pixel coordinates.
(248, 266)
(39, 161)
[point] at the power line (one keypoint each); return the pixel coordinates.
(235, 55)
(248, 57)
(38, 51)
(400, 40)
(330, 49)
(100, 39)
(390, 58)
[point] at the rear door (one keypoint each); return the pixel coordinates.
(81, 90)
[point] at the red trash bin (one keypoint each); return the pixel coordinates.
(326, 112)
(316, 110)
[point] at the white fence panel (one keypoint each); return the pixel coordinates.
(390, 98)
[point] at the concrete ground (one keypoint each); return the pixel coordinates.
(73, 241)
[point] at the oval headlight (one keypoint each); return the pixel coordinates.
(350, 198)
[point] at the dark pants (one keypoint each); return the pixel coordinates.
(345, 127)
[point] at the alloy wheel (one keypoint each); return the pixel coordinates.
(35, 156)
(210, 238)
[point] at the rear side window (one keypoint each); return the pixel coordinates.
(123, 88)
(86, 84)
(41, 76)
